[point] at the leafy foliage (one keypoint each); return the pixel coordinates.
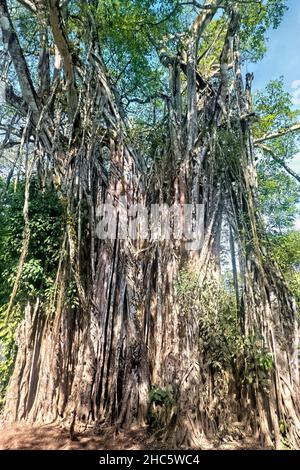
(257, 18)
(38, 276)
(45, 214)
(278, 198)
(161, 402)
(278, 192)
(224, 343)
(8, 347)
(274, 108)
(227, 351)
(160, 396)
(259, 363)
(129, 31)
(286, 251)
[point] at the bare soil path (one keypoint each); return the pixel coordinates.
(55, 437)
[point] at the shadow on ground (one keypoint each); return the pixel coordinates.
(54, 437)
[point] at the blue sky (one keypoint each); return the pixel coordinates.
(283, 59)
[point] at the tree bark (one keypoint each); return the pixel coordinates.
(131, 329)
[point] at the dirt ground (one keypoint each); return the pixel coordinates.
(54, 437)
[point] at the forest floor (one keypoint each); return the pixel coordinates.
(54, 437)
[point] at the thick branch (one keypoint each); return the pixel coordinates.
(63, 46)
(279, 161)
(203, 19)
(18, 59)
(202, 84)
(15, 101)
(275, 135)
(29, 5)
(224, 59)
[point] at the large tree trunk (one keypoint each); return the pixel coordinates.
(133, 328)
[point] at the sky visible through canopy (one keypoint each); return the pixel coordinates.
(282, 59)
